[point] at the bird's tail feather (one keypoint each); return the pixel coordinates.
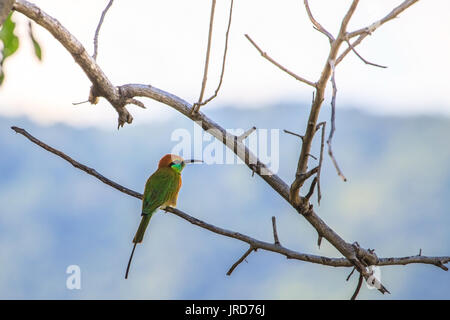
(142, 227)
(138, 238)
(129, 261)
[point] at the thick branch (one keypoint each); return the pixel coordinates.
(101, 86)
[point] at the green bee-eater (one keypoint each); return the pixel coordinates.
(161, 190)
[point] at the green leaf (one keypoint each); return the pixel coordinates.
(10, 43)
(36, 45)
(9, 39)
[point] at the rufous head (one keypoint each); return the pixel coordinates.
(175, 162)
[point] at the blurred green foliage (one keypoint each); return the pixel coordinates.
(11, 43)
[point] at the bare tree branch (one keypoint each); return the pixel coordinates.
(254, 243)
(97, 31)
(351, 273)
(200, 103)
(266, 56)
(319, 192)
(333, 120)
(311, 127)
(290, 254)
(208, 51)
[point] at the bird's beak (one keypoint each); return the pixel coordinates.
(192, 161)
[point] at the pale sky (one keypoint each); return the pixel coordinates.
(163, 43)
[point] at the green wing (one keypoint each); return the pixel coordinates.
(159, 188)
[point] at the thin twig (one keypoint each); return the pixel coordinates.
(358, 287)
(244, 256)
(78, 103)
(351, 273)
(200, 103)
(333, 127)
(97, 31)
(208, 51)
(293, 133)
(275, 234)
(266, 56)
(311, 189)
(316, 24)
(322, 142)
(307, 175)
(319, 240)
(246, 134)
(364, 60)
